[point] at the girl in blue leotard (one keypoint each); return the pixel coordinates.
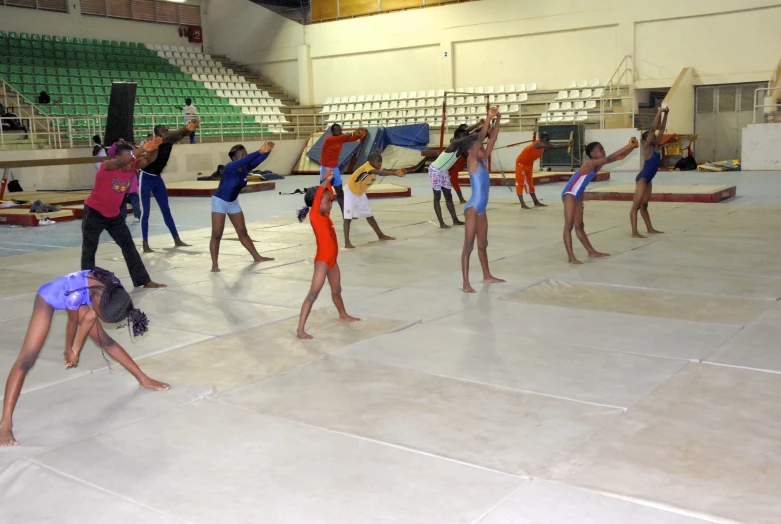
(643, 185)
(87, 296)
(572, 196)
(475, 208)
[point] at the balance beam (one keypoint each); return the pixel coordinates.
(7, 165)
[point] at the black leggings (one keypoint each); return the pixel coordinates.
(93, 225)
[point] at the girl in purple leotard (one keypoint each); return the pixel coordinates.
(88, 297)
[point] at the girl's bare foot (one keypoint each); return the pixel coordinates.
(524, 206)
(215, 269)
(493, 280)
(597, 254)
(468, 289)
(148, 249)
(444, 226)
(153, 285)
(574, 260)
(655, 232)
(386, 237)
(349, 245)
(179, 243)
(638, 235)
(462, 201)
(348, 318)
(156, 385)
(263, 259)
(304, 336)
(458, 223)
(7, 436)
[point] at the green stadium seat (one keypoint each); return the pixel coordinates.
(121, 44)
(104, 43)
(35, 37)
(94, 42)
(90, 100)
(12, 34)
(3, 35)
(66, 100)
(24, 36)
(89, 90)
(80, 110)
(68, 111)
(65, 90)
(55, 110)
(77, 90)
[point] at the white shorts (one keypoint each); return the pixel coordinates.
(439, 179)
(355, 206)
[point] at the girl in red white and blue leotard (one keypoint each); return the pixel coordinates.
(572, 195)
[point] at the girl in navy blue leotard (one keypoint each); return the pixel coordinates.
(87, 296)
(643, 185)
(475, 208)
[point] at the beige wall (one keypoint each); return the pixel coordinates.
(254, 36)
(74, 24)
(508, 41)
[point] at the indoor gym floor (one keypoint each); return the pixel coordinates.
(637, 389)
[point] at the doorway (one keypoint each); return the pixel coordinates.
(721, 114)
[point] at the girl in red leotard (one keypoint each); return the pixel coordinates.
(327, 250)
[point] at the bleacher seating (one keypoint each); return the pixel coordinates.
(465, 105)
(77, 73)
(225, 84)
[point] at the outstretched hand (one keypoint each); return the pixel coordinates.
(633, 143)
(151, 144)
(267, 147)
(493, 112)
(400, 173)
(192, 125)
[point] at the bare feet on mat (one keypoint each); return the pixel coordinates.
(348, 245)
(574, 260)
(156, 385)
(304, 336)
(638, 235)
(7, 436)
(386, 237)
(539, 204)
(655, 232)
(493, 280)
(444, 226)
(462, 201)
(458, 223)
(215, 269)
(179, 243)
(468, 289)
(524, 206)
(263, 259)
(348, 318)
(154, 285)
(597, 254)
(148, 249)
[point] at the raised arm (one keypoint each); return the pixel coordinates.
(148, 152)
(654, 127)
(494, 135)
(548, 145)
(175, 136)
(388, 172)
(591, 165)
(492, 112)
(472, 129)
(663, 125)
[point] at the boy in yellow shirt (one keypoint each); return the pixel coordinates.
(356, 203)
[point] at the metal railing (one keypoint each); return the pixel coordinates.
(622, 76)
(768, 111)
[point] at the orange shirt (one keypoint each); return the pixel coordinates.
(325, 234)
(332, 147)
(529, 155)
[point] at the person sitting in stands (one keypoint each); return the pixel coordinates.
(44, 98)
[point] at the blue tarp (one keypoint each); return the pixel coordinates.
(348, 151)
(413, 136)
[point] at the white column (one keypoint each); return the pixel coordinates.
(306, 91)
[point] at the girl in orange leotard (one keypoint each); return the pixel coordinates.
(327, 250)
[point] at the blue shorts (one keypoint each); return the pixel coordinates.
(226, 208)
(337, 181)
(648, 177)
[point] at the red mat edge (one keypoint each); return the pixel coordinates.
(394, 194)
(697, 198)
(254, 188)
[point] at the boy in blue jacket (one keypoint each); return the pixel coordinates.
(225, 200)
